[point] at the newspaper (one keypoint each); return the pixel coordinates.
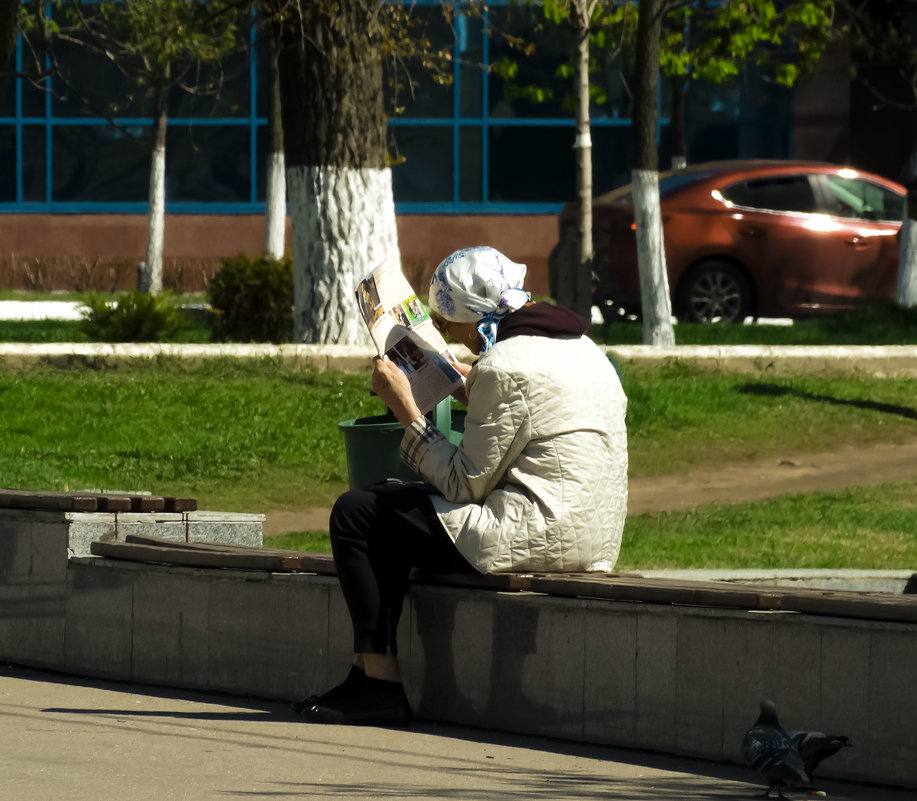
(402, 330)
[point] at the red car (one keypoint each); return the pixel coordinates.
(754, 239)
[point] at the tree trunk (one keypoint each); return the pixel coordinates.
(9, 12)
(581, 300)
(275, 209)
(677, 124)
(149, 273)
(906, 292)
(654, 285)
(339, 186)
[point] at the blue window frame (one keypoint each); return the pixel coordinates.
(469, 147)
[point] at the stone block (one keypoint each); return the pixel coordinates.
(99, 621)
(892, 694)
(610, 671)
(450, 672)
(748, 671)
(229, 528)
(536, 677)
(796, 681)
(33, 588)
(702, 652)
(844, 703)
(258, 630)
(170, 631)
(656, 678)
(322, 632)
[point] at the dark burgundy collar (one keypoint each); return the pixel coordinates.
(542, 320)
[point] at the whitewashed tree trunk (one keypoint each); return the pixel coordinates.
(581, 295)
(275, 210)
(150, 279)
(343, 226)
(654, 284)
(149, 274)
(654, 281)
(334, 141)
(906, 292)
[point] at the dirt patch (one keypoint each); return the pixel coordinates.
(736, 482)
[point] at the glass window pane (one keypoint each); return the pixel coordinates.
(780, 193)
(421, 91)
(471, 185)
(34, 163)
(611, 167)
(263, 74)
(219, 91)
(34, 98)
(93, 87)
(751, 119)
(616, 82)
(531, 164)
(7, 95)
(425, 175)
(7, 164)
(208, 163)
(100, 163)
(553, 47)
(864, 200)
(470, 54)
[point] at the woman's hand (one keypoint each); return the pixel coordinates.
(392, 385)
(461, 394)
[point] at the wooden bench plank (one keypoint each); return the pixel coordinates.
(179, 504)
(59, 501)
(310, 561)
(113, 503)
(613, 587)
(48, 501)
(190, 557)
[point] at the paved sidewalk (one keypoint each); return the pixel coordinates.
(64, 738)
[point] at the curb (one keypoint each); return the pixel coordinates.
(890, 361)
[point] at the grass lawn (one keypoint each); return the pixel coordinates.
(866, 528)
(256, 435)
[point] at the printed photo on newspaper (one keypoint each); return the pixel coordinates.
(402, 330)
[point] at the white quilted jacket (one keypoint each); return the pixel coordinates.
(539, 482)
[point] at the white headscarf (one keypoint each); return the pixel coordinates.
(478, 284)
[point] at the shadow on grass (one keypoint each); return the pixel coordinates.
(776, 391)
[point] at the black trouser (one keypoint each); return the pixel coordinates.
(377, 536)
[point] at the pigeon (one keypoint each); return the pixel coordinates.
(815, 746)
(768, 749)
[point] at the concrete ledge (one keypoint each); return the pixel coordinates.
(673, 677)
(678, 679)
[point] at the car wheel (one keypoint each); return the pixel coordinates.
(714, 291)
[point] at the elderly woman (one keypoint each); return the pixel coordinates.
(538, 483)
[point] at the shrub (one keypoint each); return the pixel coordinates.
(253, 298)
(134, 317)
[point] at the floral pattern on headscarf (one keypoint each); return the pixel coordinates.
(478, 284)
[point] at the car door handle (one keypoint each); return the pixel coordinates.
(857, 242)
(752, 232)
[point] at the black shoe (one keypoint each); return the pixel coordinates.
(355, 677)
(366, 701)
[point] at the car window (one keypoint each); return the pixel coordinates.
(776, 193)
(678, 180)
(861, 199)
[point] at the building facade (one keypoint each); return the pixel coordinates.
(475, 160)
